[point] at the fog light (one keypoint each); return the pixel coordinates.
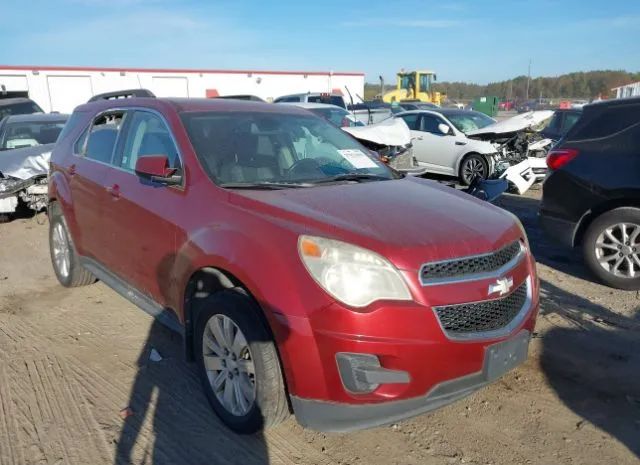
(362, 373)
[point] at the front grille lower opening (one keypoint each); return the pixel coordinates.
(484, 316)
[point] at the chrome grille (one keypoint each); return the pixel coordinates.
(474, 265)
(480, 317)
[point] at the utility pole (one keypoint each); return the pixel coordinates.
(528, 79)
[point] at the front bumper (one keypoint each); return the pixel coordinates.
(342, 417)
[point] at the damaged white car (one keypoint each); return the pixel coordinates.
(391, 140)
(26, 142)
(468, 145)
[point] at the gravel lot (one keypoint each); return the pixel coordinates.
(73, 361)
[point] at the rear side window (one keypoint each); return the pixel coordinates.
(412, 121)
(606, 122)
(148, 135)
(102, 137)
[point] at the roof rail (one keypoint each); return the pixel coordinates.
(118, 94)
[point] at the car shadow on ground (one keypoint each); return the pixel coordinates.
(591, 357)
(170, 421)
(592, 361)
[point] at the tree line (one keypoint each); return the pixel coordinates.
(582, 85)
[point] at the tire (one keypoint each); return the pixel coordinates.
(270, 402)
(64, 258)
(472, 165)
(604, 238)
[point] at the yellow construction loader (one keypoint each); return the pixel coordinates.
(413, 85)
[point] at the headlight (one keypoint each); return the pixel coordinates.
(351, 274)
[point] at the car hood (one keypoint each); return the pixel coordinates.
(511, 125)
(27, 162)
(408, 220)
(392, 132)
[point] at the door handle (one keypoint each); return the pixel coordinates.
(460, 143)
(114, 191)
(71, 170)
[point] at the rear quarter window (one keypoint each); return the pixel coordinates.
(605, 123)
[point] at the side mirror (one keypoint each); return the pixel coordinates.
(156, 168)
(444, 129)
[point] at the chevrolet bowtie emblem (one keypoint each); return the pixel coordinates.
(502, 286)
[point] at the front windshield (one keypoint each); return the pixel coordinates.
(262, 148)
(29, 134)
(470, 121)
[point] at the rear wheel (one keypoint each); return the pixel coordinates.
(473, 166)
(612, 248)
(65, 260)
(238, 363)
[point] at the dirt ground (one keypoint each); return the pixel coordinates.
(72, 361)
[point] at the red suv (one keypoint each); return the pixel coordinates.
(303, 273)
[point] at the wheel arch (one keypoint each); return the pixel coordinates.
(467, 155)
(202, 283)
(592, 214)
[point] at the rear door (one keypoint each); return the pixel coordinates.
(141, 213)
(86, 170)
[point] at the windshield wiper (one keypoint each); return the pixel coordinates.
(357, 177)
(263, 185)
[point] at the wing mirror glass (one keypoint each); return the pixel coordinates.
(156, 168)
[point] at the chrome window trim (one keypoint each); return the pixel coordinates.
(180, 186)
(515, 261)
(494, 333)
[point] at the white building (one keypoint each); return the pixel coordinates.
(63, 88)
(630, 90)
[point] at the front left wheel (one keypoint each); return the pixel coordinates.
(238, 363)
(473, 166)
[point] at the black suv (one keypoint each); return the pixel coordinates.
(592, 195)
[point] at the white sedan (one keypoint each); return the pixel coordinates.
(441, 146)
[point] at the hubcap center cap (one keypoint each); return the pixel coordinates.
(626, 250)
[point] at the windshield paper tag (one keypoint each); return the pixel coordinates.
(357, 158)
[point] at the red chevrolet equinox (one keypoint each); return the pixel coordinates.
(304, 274)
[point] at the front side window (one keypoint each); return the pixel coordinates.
(148, 135)
(102, 137)
(430, 124)
(29, 134)
(238, 147)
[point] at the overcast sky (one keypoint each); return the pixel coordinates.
(478, 41)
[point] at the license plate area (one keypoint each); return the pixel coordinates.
(504, 356)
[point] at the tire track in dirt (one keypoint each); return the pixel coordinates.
(51, 420)
(10, 451)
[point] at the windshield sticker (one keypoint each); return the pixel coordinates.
(357, 158)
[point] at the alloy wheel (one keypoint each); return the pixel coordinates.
(618, 250)
(61, 250)
(473, 168)
(229, 365)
